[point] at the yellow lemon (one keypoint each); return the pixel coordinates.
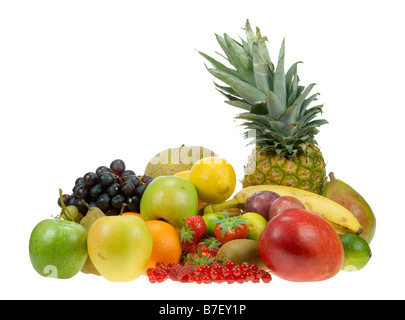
(214, 179)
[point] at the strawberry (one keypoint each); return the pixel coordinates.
(230, 228)
(210, 245)
(198, 258)
(194, 229)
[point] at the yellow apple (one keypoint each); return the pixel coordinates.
(120, 247)
(256, 224)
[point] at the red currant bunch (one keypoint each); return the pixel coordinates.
(209, 273)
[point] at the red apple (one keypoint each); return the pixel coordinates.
(298, 245)
(283, 203)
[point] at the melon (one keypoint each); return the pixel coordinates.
(171, 161)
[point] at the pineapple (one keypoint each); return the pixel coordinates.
(277, 113)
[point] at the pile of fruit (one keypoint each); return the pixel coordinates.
(180, 234)
(182, 220)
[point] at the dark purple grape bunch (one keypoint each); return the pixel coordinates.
(113, 189)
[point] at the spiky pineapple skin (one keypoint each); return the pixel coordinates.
(304, 170)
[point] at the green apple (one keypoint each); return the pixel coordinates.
(120, 247)
(58, 248)
(170, 198)
(210, 220)
(256, 224)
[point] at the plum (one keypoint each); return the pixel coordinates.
(283, 203)
(260, 202)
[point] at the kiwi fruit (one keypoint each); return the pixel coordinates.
(239, 251)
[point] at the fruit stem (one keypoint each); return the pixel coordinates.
(122, 208)
(64, 209)
(332, 176)
(86, 204)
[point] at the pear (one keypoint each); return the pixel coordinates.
(92, 215)
(345, 195)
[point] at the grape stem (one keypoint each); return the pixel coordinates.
(123, 208)
(85, 204)
(64, 209)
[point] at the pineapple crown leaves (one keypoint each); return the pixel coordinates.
(275, 105)
(199, 258)
(230, 223)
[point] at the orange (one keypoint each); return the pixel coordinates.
(166, 243)
(183, 174)
(132, 214)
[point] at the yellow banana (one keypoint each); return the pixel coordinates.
(338, 216)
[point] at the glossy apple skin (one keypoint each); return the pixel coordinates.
(283, 203)
(170, 198)
(120, 247)
(260, 202)
(256, 224)
(300, 246)
(211, 221)
(58, 248)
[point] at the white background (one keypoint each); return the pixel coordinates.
(85, 82)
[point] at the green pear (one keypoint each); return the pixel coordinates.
(87, 221)
(345, 195)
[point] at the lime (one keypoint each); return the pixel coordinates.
(356, 251)
(211, 221)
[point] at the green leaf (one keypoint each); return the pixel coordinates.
(262, 73)
(239, 59)
(251, 38)
(227, 90)
(277, 126)
(291, 80)
(307, 102)
(279, 77)
(223, 45)
(264, 53)
(290, 129)
(309, 115)
(274, 106)
(218, 65)
(248, 92)
(303, 95)
(239, 104)
(258, 119)
(259, 108)
(316, 123)
(290, 115)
